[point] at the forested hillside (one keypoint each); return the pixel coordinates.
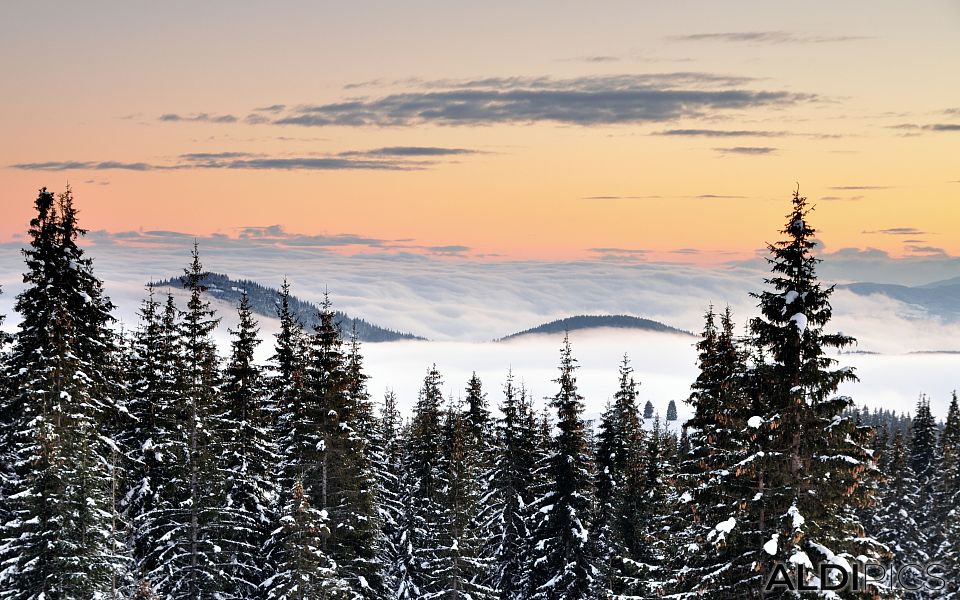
(143, 464)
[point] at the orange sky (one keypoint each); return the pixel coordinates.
(562, 154)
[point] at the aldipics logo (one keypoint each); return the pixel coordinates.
(831, 577)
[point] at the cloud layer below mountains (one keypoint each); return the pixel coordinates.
(462, 304)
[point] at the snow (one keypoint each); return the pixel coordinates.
(801, 320)
(790, 297)
(771, 546)
(726, 526)
(754, 422)
(685, 498)
(798, 519)
(801, 558)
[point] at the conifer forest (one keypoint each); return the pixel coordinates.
(144, 463)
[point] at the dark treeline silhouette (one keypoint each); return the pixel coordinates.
(147, 465)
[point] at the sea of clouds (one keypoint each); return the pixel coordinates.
(460, 305)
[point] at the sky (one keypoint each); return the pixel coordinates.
(463, 171)
(647, 132)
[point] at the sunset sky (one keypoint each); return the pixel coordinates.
(529, 130)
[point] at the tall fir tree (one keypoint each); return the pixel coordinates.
(422, 497)
(813, 473)
(187, 561)
(304, 572)
(387, 456)
(714, 476)
(618, 486)
(61, 412)
(511, 493)
(248, 462)
(947, 501)
(561, 565)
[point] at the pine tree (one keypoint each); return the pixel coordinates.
(924, 461)
(186, 560)
(422, 496)
(387, 456)
(511, 493)
(457, 566)
(813, 473)
(900, 505)
(248, 464)
(154, 399)
(947, 501)
(306, 572)
(672, 411)
(715, 475)
(338, 476)
(648, 410)
(62, 414)
(618, 486)
(561, 559)
(287, 391)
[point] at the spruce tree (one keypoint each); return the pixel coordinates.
(561, 566)
(387, 456)
(897, 524)
(618, 486)
(422, 497)
(62, 409)
(925, 463)
(305, 571)
(947, 501)
(812, 477)
(511, 493)
(248, 462)
(714, 476)
(187, 560)
(648, 410)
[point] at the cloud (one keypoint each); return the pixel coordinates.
(935, 127)
(840, 198)
(273, 108)
(898, 231)
(411, 151)
(721, 133)
(748, 150)
(198, 118)
(619, 197)
(717, 197)
(74, 165)
(926, 250)
(764, 37)
(598, 100)
(393, 158)
(859, 187)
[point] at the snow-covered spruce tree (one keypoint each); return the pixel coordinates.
(812, 473)
(648, 410)
(387, 456)
(340, 478)
(896, 521)
(287, 389)
(304, 571)
(617, 482)
(947, 501)
(714, 476)
(561, 562)
(457, 567)
(61, 412)
(925, 463)
(422, 495)
(511, 493)
(189, 540)
(154, 390)
(248, 462)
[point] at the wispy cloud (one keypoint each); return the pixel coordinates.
(599, 100)
(198, 118)
(935, 127)
(859, 187)
(411, 151)
(393, 158)
(897, 231)
(721, 133)
(747, 150)
(765, 37)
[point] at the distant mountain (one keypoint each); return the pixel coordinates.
(263, 301)
(940, 298)
(595, 321)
